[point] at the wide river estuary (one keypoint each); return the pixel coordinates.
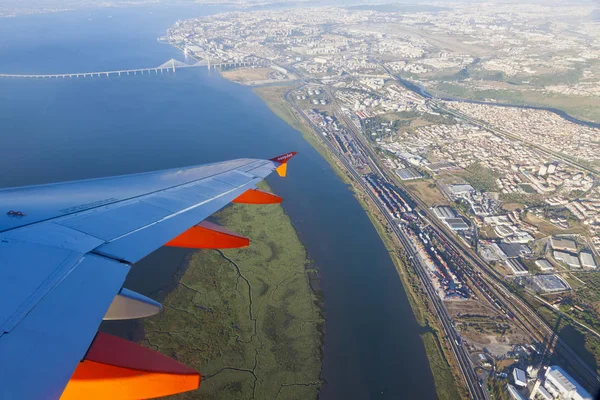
(54, 130)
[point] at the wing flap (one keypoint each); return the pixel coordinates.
(40, 354)
(28, 272)
(118, 369)
(44, 202)
(211, 187)
(136, 245)
(175, 200)
(263, 169)
(235, 178)
(110, 222)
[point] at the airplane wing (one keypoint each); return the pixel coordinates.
(65, 251)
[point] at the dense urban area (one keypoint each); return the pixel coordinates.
(470, 131)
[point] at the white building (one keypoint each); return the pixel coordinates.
(560, 383)
(514, 393)
(460, 190)
(544, 393)
(563, 244)
(443, 212)
(519, 377)
(587, 259)
(544, 265)
(517, 268)
(457, 224)
(569, 259)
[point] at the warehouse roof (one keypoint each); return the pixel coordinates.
(516, 267)
(544, 265)
(567, 258)
(587, 259)
(443, 212)
(514, 250)
(563, 244)
(457, 224)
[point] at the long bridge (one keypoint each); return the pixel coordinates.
(170, 66)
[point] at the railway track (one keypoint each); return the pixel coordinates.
(466, 367)
(524, 315)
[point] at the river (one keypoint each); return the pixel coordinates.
(419, 89)
(54, 130)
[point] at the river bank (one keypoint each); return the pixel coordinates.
(247, 318)
(444, 370)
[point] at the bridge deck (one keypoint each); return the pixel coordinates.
(170, 65)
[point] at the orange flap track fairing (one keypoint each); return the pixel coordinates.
(207, 235)
(115, 368)
(255, 196)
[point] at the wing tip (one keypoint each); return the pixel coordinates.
(284, 158)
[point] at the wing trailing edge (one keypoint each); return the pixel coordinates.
(115, 368)
(76, 251)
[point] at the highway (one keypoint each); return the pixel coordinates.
(464, 362)
(169, 66)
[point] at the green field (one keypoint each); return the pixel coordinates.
(481, 178)
(246, 318)
(445, 383)
(586, 108)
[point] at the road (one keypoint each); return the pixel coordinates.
(524, 314)
(443, 109)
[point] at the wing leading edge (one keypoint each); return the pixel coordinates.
(65, 251)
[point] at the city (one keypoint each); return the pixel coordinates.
(493, 208)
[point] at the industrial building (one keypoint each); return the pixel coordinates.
(516, 267)
(439, 166)
(461, 190)
(560, 384)
(587, 259)
(563, 244)
(519, 237)
(514, 250)
(443, 212)
(544, 265)
(550, 283)
(544, 393)
(514, 393)
(457, 224)
(407, 174)
(519, 377)
(569, 259)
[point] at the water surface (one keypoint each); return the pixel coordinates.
(52, 130)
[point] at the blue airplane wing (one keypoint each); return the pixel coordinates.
(65, 251)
